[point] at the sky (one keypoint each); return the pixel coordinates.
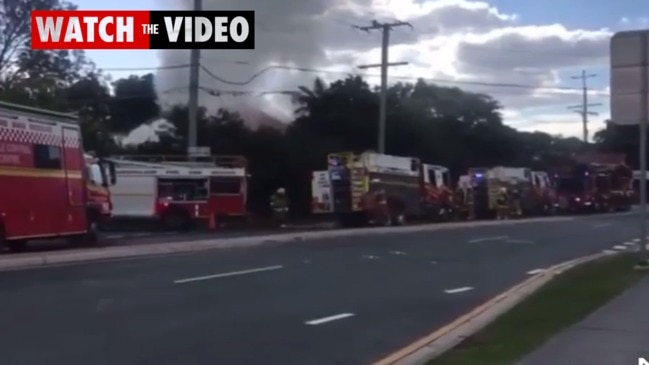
(539, 44)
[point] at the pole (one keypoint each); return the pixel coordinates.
(384, 87)
(644, 116)
(385, 45)
(192, 108)
(584, 112)
(583, 109)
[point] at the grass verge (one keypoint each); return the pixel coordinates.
(565, 300)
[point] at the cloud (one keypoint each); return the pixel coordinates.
(470, 44)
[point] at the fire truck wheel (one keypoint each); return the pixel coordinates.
(175, 220)
(17, 246)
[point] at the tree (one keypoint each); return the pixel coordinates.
(33, 76)
(135, 103)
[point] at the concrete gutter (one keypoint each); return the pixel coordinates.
(449, 336)
(40, 259)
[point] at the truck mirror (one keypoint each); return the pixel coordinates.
(111, 171)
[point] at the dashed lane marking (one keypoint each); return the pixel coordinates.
(535, 271)
(619, 247)
(602, 225)
(609, 252)
(487, 239)
(398, 253)
(630, 243)
(458, 290)
(529, 242)
(228, 274)
(336, 317)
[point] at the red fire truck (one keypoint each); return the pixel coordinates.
(384, 189)
(100, 175)
(42, 177)
(177, 191)
(594, 182)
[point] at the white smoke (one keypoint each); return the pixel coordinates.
(288, 32)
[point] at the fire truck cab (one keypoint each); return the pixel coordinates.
(177, 191)
(100, 176)
(42, 176)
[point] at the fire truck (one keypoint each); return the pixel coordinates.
(177, 191)
(532, 190)
(43, 192)
(384, 190)
(100, 176)
(594, 182)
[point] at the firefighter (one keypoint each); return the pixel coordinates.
(279, 203)
(515, 200)
(502, 209)
(470, 202)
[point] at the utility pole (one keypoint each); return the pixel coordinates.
(385, 28)
(194, 74)
(583, 109)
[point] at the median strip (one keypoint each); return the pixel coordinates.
(565, 300)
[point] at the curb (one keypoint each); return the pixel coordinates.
(26, 261)
(449, 336)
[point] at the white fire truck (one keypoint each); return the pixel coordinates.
(177, 191)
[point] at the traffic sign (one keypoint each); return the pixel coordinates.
(196, 151)
(629, 97)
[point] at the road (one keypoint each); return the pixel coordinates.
(343, 301)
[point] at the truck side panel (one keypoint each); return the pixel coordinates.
(34, 200)
(134, 196)
(73, 165)
(406, 189)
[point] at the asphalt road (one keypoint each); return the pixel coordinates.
(344, 301)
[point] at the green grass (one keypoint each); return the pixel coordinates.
(565, 300)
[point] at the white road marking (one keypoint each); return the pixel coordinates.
(630, 243)
(486, 239)
(370, 257)
(602, 225)
(315, 322)
(227, 274)
(399, 253)
(458, 290)
(636, 240)
(620, 247)
(608, 252)
(520, 241)
(535, 271)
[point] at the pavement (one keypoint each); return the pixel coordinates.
(339, 300)
(616, 334)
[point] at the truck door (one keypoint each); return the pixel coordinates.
(74, 219)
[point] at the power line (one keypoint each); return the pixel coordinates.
(583, 109)
(558, 89)
(172, 67)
